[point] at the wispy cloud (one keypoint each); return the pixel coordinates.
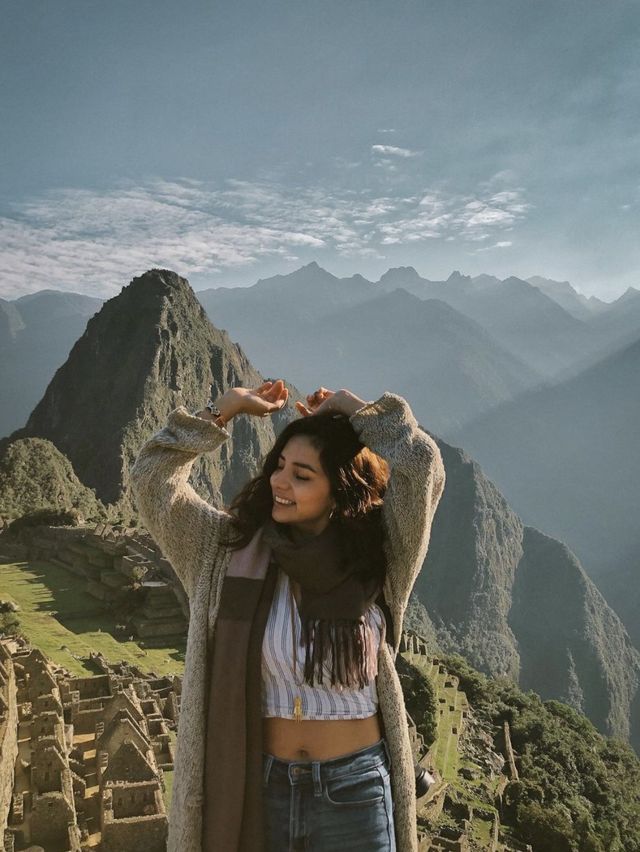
(77, 239)
(500, 244)
(394, 151)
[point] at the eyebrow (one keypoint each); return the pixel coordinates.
(300, 464)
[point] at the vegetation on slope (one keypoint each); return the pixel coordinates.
(578, 791)
(35, 475)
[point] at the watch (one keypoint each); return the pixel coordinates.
(212, 408)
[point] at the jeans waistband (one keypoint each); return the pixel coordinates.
(300, 771)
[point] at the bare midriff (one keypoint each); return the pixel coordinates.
(318, 739)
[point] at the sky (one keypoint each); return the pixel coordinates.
(230, 141)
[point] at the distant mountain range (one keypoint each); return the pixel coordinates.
(529, 376)
(513, 600)
(500, 338)
(320, 330)
(517, 602)
(36, 335)
(567, 457)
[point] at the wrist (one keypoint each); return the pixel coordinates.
(227, 405)
(351, 403)
(205, 414)
(219, 411)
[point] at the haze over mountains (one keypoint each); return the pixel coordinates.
(568, 460)
(515, 601)
(509, 597)
(36, 334)
(498, 339)
(317, 329)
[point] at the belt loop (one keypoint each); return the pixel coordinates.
(315, 774)
(267, 769)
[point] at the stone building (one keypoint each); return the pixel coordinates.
(83, 757)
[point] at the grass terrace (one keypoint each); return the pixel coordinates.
(58, 616)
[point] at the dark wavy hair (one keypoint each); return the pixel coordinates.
(358, 480)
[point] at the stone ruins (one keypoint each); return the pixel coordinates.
(83, 758)
(122, 568)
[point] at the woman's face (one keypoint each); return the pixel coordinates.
(299, 478)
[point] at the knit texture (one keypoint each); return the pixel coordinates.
(188, 530)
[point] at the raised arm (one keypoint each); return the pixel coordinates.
(185, 526)
(181, 523)
(417, 477)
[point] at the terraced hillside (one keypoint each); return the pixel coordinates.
(83, 590)
(461, 811)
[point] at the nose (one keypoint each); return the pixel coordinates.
(280, 482)
(276, 477)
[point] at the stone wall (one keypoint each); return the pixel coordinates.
(8, 735)
(123, 570)
(133, 817)
(146, 832)
(51, 814)
(66, 771)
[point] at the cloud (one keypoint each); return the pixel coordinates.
(394, 151)
(94, 241)
(499, 244)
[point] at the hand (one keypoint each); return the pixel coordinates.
(325, 401)
(262, 401)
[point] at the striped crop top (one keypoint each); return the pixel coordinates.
(285, 693)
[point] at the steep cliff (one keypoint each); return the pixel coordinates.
(516, 602)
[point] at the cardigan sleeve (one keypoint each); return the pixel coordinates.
(416, 482)
(181, 523)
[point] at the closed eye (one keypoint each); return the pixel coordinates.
(303, 478)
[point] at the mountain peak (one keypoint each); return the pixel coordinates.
(311, 274)
(146, 351)
(404, 273)
(629, 293)
(456, 275)
(157, 282)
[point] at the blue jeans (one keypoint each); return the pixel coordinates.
(329, 805)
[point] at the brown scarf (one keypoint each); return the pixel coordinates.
(336, 594)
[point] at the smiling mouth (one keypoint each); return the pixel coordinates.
(279, 501)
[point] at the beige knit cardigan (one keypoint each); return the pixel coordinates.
(187, 529)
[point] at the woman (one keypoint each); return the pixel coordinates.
(279, 750)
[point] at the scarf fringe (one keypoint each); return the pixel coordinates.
(344, 649)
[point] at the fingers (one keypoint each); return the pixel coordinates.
(272, 390)
(280, 403)
(320, 392)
